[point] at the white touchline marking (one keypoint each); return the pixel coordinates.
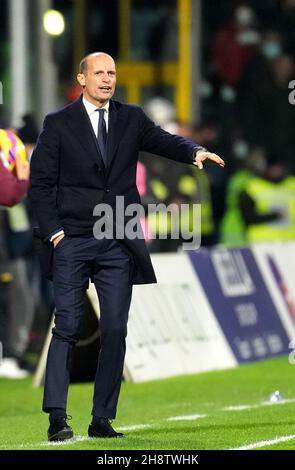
(285, 400)
(74, 440)
(134, 427)
(237, 408)
(263, 403)
(31, 445)
(258, 444)
(186, 417)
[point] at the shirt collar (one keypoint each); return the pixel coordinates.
(91, 108)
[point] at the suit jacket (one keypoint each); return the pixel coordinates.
(68, 177)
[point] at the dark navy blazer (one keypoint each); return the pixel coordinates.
(68, 177)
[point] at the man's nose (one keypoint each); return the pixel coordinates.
(106, 78)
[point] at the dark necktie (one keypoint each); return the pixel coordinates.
(102, 135)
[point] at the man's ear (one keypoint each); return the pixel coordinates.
(81, 79)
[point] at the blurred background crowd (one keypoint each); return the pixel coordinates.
(218, 73)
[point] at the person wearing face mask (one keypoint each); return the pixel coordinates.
(258, 71)
(271, 45)
(266, 115)
(235, 46)
(259, 67)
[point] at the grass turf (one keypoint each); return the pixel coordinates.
(23, 426)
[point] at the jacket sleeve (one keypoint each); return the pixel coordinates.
(44, 177)
(155, 140)
(12, 190)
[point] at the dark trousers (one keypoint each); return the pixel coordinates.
(76, 259)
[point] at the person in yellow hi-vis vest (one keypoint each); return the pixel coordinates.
(196, 187)
(268, 206)
(251, 164)
(191, 188)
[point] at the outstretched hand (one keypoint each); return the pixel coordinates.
(202, 155)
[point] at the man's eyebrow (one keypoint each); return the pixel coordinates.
(98, 71)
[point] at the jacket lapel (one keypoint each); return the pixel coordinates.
(117, 124)
(80, 124)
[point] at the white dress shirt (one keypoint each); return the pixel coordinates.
(94, 115)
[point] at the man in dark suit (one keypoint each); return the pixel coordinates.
(87, 154)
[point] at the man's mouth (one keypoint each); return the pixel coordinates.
(105, 88)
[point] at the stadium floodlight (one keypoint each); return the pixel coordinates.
(53, 22)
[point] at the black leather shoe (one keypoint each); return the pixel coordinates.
(102, 428)
(59, 430)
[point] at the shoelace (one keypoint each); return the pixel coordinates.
(104, 420)
(64, 418)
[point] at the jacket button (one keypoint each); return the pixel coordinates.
(107, 190)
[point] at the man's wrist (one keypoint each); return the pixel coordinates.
(58, 239)
(58, 234)
(196, 150)
(200, 149)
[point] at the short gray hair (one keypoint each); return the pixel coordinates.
(83, 66)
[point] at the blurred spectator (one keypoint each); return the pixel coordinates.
(162, 41)
(21, 300)
(268, 205)
(208, 134)
(28, 133)
(260, 67)
(178, 185)
(73, 93)
(248, 165)
(269, 118)
(235, 45)
(13, 188)
(270, 48)
(31, 295)
(194, 186)
(285, 22)
(162, 112)
(141, 183)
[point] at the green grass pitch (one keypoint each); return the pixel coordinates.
(181, 413)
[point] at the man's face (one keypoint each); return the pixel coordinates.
(100, 79)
